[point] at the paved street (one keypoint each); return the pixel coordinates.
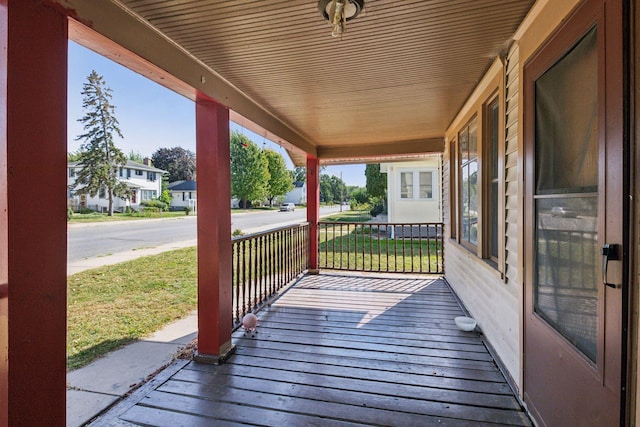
(101, 239)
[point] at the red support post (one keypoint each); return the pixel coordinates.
(214, 232)
(313, 210)
(33, 223)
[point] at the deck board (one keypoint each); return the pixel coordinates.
(342, 350)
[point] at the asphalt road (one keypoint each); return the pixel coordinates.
(100, 239)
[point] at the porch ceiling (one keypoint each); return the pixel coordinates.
(391, 85)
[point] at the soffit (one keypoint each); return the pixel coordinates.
(399, 74)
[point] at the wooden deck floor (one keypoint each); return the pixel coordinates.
(339, 350)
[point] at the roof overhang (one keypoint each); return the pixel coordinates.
(391, 86)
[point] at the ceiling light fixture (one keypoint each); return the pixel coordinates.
(338, 12)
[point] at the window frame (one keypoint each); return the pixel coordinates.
(478, 108)
(453, 189)
(415, 182)
(488, 179)
(468, 243)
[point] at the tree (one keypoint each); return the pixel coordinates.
(99, 157)
(73, 156)
(326, 191)
(180, 163)
(376, 181)
(299, 174)
(279, 178)
(249, 170)
(338, 189)
(135, 156)
(360, 196)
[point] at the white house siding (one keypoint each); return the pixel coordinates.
(413, 210)
(298, 195)
(490, 292)
(142, 187)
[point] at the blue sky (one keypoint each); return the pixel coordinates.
(152, 116)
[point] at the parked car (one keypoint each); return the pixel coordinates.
(286, 207)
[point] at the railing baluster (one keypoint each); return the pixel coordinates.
(264, 262)
(379, 243)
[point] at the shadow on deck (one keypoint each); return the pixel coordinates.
(339, 350)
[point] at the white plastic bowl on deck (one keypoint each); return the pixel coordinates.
(465, 323)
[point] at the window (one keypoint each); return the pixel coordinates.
(148, 194)
(426, 185)
(406, 185)
(468, 157)
(492, 127)
(138, 172)
(453, 193)
(72, 172)
(422, 180)
(102, 194)
(151, 176)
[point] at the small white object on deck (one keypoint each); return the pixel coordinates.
(466, 324)
(250, 323)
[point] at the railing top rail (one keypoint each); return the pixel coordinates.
(381, 223)
(266, 232)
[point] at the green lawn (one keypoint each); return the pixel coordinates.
(114, 305)
(348, 216)
(100, 217)
(351, 251)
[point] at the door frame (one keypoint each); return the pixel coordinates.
(616, 98)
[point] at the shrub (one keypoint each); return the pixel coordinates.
(187, 210)
(376, 210)
(237, 232)
(155, 203)
(69, 213)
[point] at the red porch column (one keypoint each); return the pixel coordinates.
(214, 232)
(33, 223)
(313, 210)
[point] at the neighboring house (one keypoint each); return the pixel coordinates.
(298, 195)
(413, 190)
(183, 194)
(143, 179)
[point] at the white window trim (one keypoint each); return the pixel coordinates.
(416, 184)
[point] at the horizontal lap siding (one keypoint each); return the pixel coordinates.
(492, 300)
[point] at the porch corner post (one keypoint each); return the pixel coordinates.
(313, 210)
(33, 231)
(214, 232)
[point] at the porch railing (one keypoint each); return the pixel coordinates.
(264, 263)
(381, 247)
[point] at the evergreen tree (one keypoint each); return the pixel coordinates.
(280, 182)
(99, 157)
(249, 170)
(376, 181)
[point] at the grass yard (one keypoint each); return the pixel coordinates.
(115, 305)
(354, 251)
(348, 216)
(100, 217)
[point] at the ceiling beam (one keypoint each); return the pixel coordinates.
(386, 149)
